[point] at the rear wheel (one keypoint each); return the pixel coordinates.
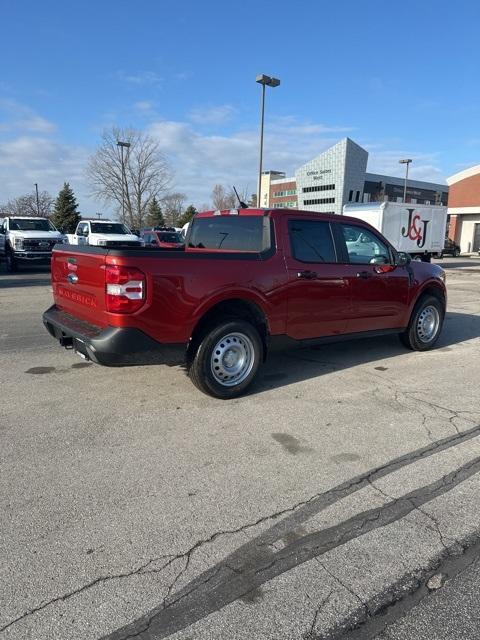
(10, 262)
(456, 253)
(425, 324)
(227, 359)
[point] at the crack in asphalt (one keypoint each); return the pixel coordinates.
(208, 593)
(100, 579)
(432, 518)
(309, 634)
(345, 586)
(246, 562)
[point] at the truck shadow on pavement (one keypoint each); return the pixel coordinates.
(298, 364)
(28, 277)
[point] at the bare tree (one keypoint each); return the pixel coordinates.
(223, 198)
(173, 205)
(147, 173)
(27, 205)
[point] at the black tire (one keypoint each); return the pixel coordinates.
(10, 262)
(228, 337)
(456, 253)
(416, 337)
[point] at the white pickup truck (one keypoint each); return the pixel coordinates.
(27, 240)
(103, 233)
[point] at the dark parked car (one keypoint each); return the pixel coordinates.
(451, 248)
(163, 238)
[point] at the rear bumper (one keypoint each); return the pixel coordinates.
(110, 346)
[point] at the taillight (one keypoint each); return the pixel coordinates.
(124, 289)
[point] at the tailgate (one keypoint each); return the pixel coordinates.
(78, 280)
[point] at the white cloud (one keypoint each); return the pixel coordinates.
(200, 161)
(212, 115)
(147, 78)
(424, 165)
(18, 117)
(29, 159)
(144, 106)
(30, 154)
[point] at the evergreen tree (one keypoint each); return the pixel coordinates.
(154, 214)
(66, 215)
(190, 211)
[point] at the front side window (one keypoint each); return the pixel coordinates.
(363, 247)
(311, 241)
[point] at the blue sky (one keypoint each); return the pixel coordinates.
(399, 78)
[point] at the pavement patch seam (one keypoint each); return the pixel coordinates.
(194, 604)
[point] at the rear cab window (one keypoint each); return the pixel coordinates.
(231, 232)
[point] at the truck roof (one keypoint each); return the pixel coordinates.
(274, 213)
(25, 217)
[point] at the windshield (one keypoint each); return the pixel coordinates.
(30, 224)
(109, 227)
(169, 237)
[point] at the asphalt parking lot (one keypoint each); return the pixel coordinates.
(134, 506)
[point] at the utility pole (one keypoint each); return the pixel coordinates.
(270, 82)
(122, 145)
(406, 161)
(38, 204)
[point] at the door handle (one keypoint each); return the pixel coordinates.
(364, 274)
(307, 275)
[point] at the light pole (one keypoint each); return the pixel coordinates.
(127, 146)
(38, 204)
(270, 82)
(406, 161)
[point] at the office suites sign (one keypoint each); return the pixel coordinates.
(318, 175)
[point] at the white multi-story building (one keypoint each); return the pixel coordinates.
(337, 176)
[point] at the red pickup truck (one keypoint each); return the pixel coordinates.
(246, 281)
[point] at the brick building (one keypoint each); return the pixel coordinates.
(464, 209)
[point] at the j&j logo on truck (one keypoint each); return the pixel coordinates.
(416, 228)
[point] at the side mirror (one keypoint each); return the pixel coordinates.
(380, 259)
(402, 258)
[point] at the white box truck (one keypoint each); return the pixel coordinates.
(418, 229)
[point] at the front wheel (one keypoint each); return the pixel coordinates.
(425, 324)
(10, 261)
(227, 359)
(456, 253)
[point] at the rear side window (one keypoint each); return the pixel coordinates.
(231, 233)
(311, 241)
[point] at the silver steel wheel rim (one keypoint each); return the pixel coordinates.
(232, 359)
(427, 323)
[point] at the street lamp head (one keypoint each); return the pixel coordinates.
(405, 161)
(263, 79)
(123, 144)
(267, 80)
